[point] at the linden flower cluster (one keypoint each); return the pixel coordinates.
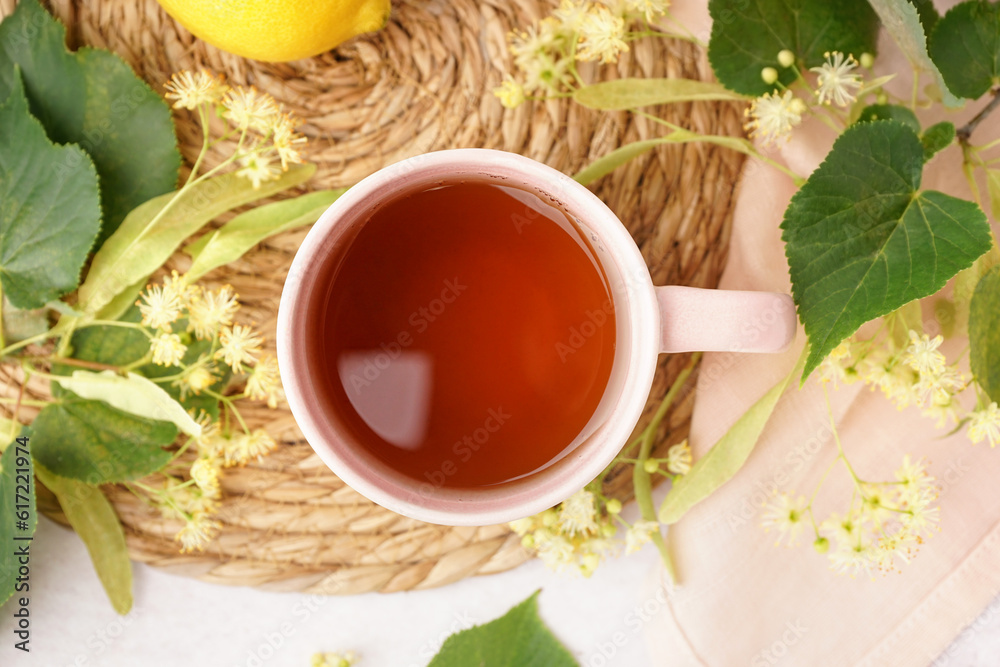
(882, 528)
(267, 141)
(772, 116)
(546, 53)
(577, 534)
(915, 375)
(192, 330)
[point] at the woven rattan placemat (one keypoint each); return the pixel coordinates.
(422, 84)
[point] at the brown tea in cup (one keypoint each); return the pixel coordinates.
(467, 334)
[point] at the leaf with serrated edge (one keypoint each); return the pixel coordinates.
(965, 46)
(92, 442)
(229, 242)
(94, 99)
(894, 112)
(137, 248)
(9, 491)
(726, 456)
(516, 639)
(94, 520)
(635, 93)
(133, 394)
(747, 36)
(862, 241)
(984, 333)
(902, 21)
(49, 208)
(928, 14)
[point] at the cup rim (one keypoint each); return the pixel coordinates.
(510, 500)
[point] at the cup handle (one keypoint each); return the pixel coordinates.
(713, 320)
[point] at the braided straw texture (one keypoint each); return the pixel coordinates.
(422, 84)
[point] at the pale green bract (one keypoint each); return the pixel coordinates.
(152, 232)
(726, 456)
(133, 394)
(902, 21)
(231, 241)
(984, 333)
(616, 158)
(94, 520)
(634, 93)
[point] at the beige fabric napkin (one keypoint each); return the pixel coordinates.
(744, 601)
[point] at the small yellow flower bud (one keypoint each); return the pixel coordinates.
(609, 530)
(786, 58)
(821, 545)
(528, 541)
(867, 60)
(590, 563)
(614, 506)
(651, 466)
(882, 97)
(769, 74)
(797, 106)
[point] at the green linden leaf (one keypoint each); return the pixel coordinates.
(984, 333)
(936, 138)
(928, 14)
(516, 639)
(92, 442)
(49, 208)
(894, 112)
(747, 36)
(17, 504)
(965, 45)
(94, 520)
(862, 240)
(94, 99)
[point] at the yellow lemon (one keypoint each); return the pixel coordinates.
(278, 30)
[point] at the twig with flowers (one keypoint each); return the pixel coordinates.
(134, 363)
(864, 242)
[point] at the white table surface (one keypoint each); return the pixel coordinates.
(181, 621)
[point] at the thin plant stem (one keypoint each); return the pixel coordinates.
(24, 401)
(26, 342)
(641, 479)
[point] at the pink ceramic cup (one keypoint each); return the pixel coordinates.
(650, 320)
